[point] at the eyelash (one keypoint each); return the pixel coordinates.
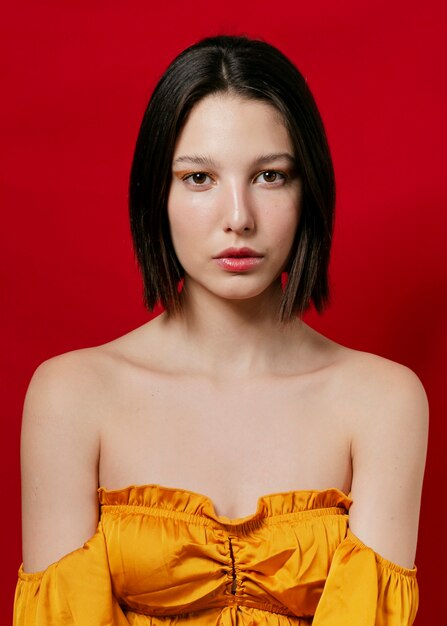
(190, 177)
(283, 176)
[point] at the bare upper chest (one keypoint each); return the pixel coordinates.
(232, 440)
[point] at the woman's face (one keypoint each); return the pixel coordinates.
(234, 201)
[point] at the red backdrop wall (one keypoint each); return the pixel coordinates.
(77, 78)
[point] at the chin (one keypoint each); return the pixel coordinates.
(235, 287)
(242, 292)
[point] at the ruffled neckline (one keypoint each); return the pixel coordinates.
(155, 496)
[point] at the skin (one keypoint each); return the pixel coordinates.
(224, 387)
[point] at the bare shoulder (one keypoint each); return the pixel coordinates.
(388, 406)
(389, 431)
(78, 387)
(70, 378)
(68, 398)
(367, 387)
(60, 443)
(383, 391)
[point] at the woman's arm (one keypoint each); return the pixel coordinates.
(59, 459)
(66, 575)
(372, 578)
(389, 447)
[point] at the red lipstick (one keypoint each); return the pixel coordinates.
(238, 259)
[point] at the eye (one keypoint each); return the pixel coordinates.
(198, 179)
(270, 176)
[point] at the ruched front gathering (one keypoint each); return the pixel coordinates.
(162, 556)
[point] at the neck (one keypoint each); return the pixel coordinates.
(233, 338)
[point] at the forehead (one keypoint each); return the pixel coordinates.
(223, 123)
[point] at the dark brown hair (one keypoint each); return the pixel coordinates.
(252, 69)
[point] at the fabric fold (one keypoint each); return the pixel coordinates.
(365, 589)
(74, 591)
(164, 556)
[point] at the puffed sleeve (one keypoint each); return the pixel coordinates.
(364, 589)
(76, 590)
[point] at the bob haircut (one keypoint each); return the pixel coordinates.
(250, 69)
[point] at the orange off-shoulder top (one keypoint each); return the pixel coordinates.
(162, 556)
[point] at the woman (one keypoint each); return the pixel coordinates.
(227, 393)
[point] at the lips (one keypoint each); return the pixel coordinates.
(238, 253)
(237, 260)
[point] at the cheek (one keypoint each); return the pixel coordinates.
(187, 225)
(282, 213)
(192, 219)
(178, 216)
(282, 225)
(185, 210)
(178, 224)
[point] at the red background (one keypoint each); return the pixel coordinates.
(77, 79)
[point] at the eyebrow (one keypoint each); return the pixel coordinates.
(198, 159)
(276, 156)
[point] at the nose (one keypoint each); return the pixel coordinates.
(237, 209)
